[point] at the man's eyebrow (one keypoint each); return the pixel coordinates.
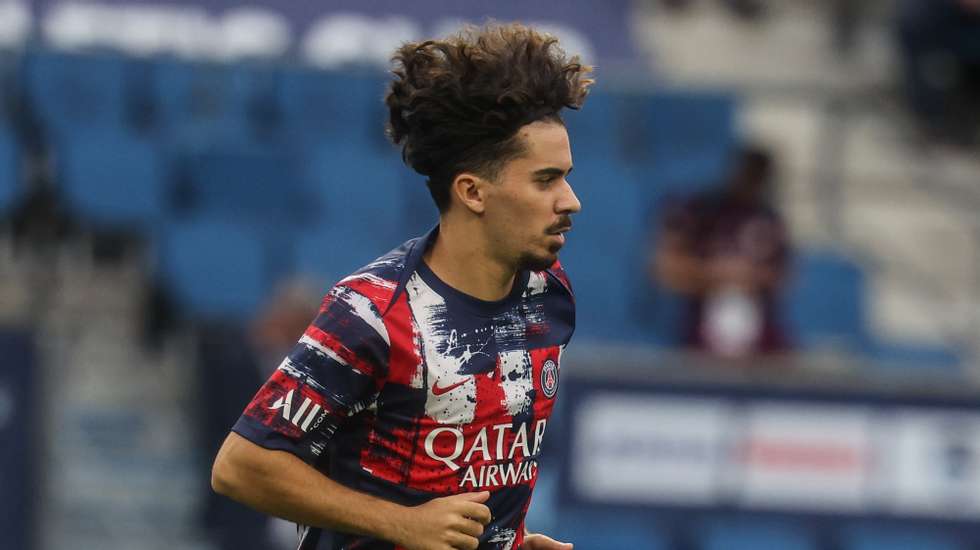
(551, 172)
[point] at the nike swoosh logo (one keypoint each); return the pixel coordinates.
(439, 390)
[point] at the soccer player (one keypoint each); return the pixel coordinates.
(411, 412)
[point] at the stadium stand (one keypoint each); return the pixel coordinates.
(362, 212)
(255, 186)
(215, 269)
(339, 106)
(10, 184)
(68, 91)
(191, 105)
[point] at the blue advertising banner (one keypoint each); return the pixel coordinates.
(18, 432)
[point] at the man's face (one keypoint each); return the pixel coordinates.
(529, 208)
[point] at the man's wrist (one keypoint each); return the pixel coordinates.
(393, 518)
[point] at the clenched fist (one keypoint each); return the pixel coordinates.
(448, 523)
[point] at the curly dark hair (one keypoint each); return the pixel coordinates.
(456, 105)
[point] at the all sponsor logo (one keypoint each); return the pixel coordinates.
(302, 416)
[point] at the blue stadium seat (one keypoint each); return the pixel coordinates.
(898, 538)
(195, 104)
(360, 187)
(753, 535)
(601, 253)
(825, 301)
(252, 95)
(327, 253)
(658, 310)
(688, 138)
(10, 74)
(10, 186)
(214, 269)
(112, 178)
(363, 210)
(248, 185)
(333, 105)
(69, 91)
(595, 130)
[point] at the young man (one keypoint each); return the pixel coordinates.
(412, 410)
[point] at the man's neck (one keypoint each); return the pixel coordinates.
(461, 259)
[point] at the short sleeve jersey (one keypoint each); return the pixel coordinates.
(407, 389)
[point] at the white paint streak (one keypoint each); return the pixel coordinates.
(506, 536)
(322, 350)
(364, 308)
(417, 382)
(515, 380)
(372, 279)
(453, 406)
(289, 368)
(537, 283)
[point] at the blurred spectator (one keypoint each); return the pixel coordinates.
(940, 47)
(726, 250)
(233, 361)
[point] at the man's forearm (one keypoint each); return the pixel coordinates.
(280, 484)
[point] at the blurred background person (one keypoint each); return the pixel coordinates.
(727, 250)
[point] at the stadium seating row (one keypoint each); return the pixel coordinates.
(197, 104)
(261, 171)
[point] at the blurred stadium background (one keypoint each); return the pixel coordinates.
(166, 167)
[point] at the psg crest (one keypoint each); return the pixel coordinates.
(549, 378)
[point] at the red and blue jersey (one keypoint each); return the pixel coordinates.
(407, 389)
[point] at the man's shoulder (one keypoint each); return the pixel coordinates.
(381, 279)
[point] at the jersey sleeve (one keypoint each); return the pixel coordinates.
(335, 370)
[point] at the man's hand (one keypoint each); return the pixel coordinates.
(448, 523)
(541, 542)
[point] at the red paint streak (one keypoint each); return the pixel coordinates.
(331, 342)
(379, 294)
(404, 358)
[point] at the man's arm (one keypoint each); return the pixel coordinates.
(280, 484)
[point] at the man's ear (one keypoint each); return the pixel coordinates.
(470, 190)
